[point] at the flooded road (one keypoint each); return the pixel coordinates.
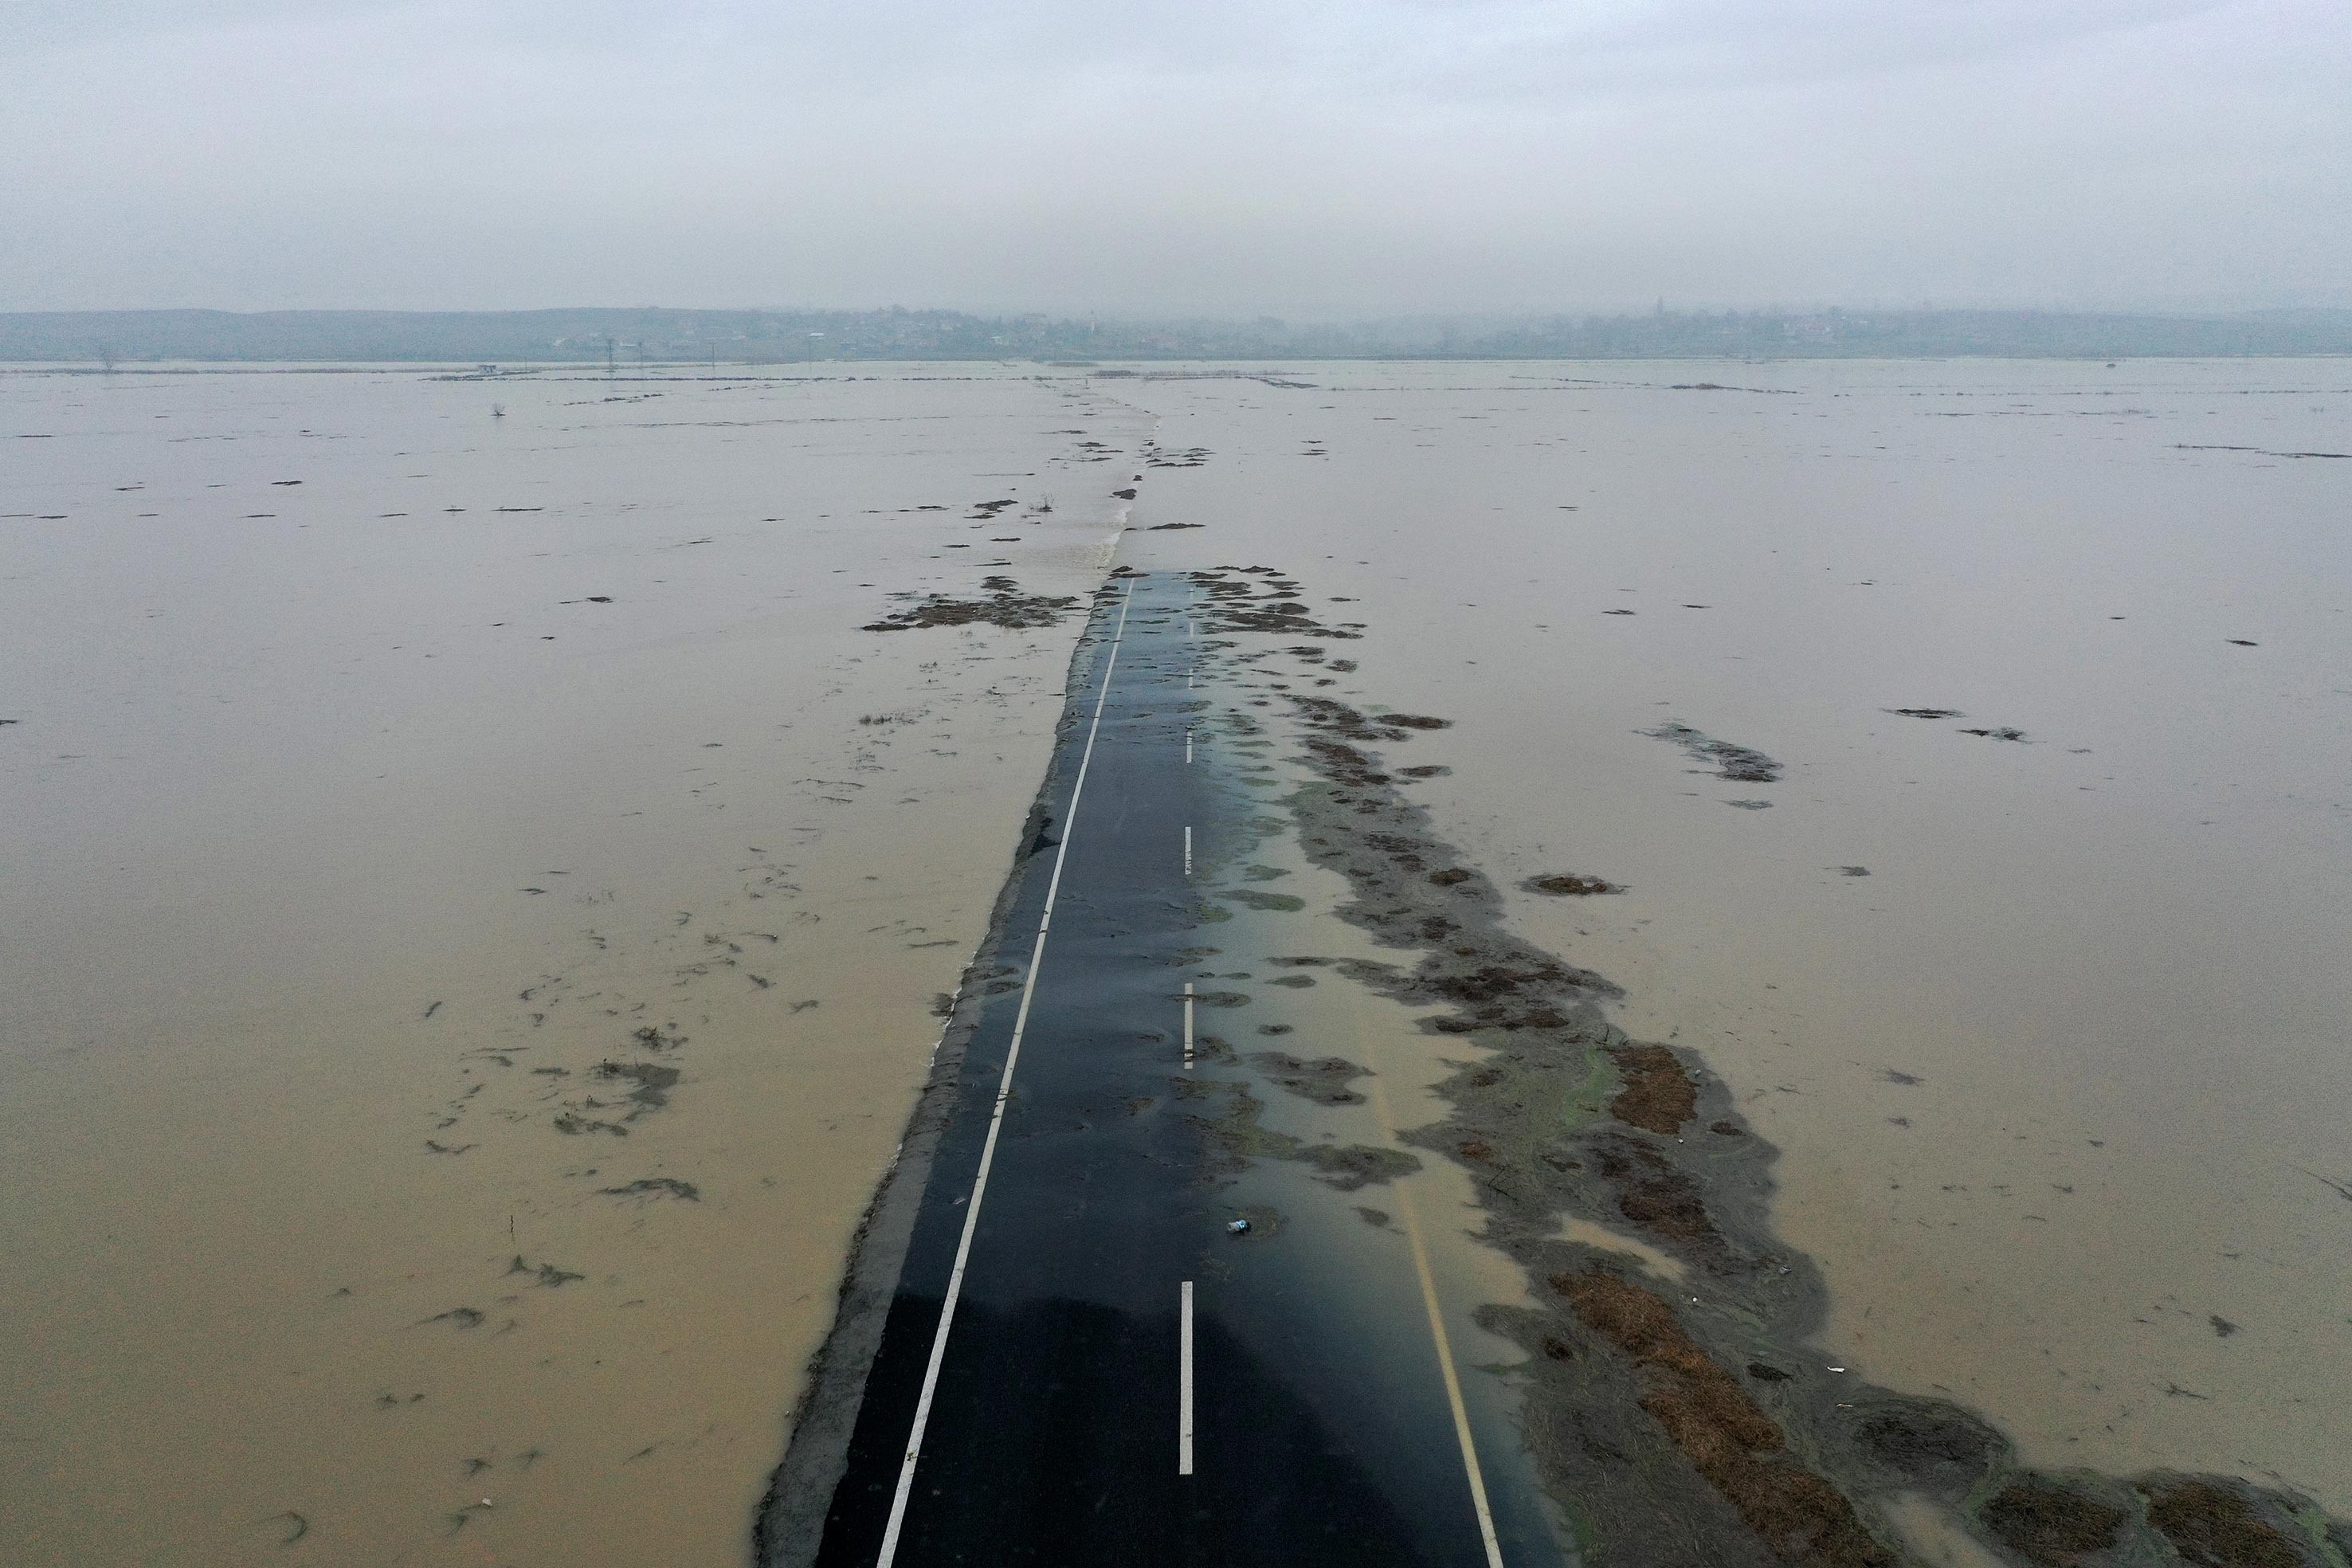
(480, 902)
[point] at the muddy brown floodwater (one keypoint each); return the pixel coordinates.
(476, 903)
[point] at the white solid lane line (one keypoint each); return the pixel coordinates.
(1184, 1383)
(995, 1119)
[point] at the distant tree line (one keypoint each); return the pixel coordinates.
(625, 337)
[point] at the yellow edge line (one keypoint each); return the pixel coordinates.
(1444, 1345)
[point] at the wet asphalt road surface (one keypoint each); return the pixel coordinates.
(1028, 1399)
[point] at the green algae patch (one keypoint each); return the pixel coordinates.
(1524, 1107)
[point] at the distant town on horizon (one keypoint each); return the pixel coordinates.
(666, 335)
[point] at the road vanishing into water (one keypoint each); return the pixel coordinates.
(1079, 1360)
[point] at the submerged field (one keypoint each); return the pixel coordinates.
(487, 855)
(478, 900)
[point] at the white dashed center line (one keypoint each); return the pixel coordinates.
(1185, 1381)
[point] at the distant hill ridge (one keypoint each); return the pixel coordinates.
(777, 337)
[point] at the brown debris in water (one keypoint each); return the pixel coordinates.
(1656, 1194)
(1933, 1445)
(1004, 606)
(1743, 763)
(1325, 1081)
(1658, 1096)
(1727, 1436)
(1356, 1166)
(1492, 982)
(651, 1081)
(656, 1187)
(1236, 605)
(1345, 765)
(1235, 1126)
(2214, 1527)
(1567, 885)
(1330, 713)
(2048, 1524)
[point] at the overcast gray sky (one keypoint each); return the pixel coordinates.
(1220, 156)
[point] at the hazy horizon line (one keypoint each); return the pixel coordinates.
(1293, 316)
